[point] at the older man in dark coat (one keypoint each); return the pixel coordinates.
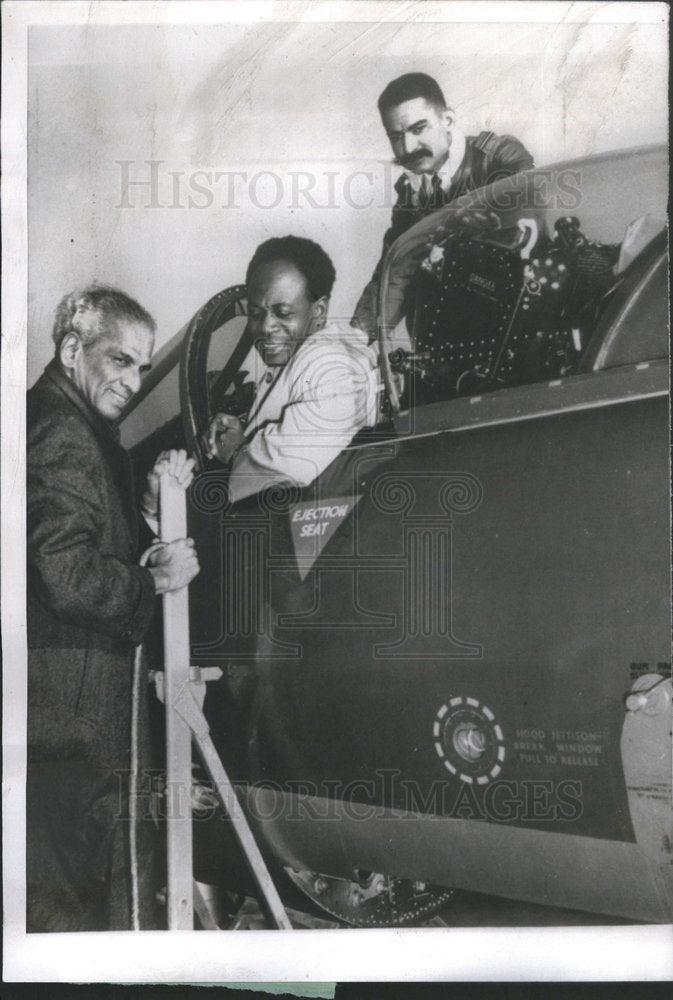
(89, 603)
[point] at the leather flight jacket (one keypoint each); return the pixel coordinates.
(488, 158)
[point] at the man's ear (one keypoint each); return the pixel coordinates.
(319, 312)
(449, 118)
(69, 350)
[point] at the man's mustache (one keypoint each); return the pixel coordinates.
(412, 158)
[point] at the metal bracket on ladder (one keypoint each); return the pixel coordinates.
(182, 688)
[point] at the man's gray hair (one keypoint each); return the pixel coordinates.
(93, 311)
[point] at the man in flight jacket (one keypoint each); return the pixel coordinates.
(442, 165)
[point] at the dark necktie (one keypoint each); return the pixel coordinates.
(430, 193)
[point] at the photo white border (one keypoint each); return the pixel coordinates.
(615, 953)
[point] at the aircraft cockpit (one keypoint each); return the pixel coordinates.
(473, 653)
(529, 281)
(503, 289)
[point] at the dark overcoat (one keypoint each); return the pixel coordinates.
(89, 603)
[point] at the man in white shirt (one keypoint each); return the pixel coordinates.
(441, 164)
(321, 381)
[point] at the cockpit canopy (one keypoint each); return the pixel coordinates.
(531, 279)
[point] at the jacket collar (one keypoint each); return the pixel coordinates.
(55, 373)
(446, 172)
(106, 433)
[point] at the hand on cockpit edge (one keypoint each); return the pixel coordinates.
(225, 436)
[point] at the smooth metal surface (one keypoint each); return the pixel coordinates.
(584, 391)
(560, 870)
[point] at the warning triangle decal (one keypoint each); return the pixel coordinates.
(313, 523)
